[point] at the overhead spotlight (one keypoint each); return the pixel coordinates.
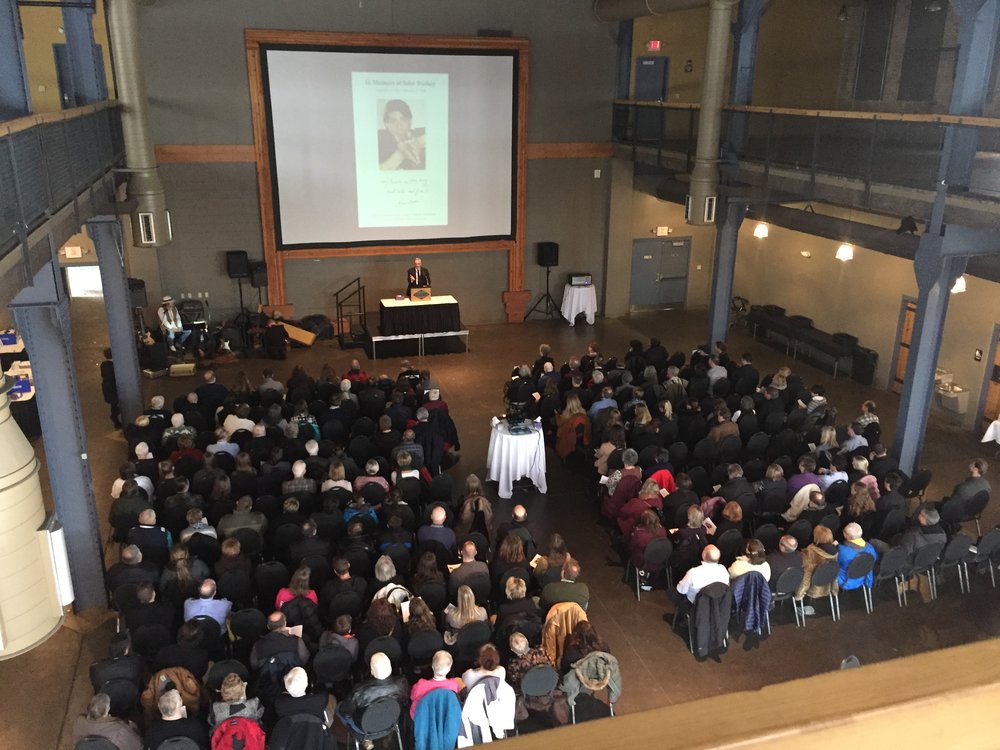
(907, 225)
(845, 252)
(959, 286)
(843, 16)
(934, 6)
(760, 231)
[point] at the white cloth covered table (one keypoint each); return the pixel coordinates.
(511, 457)
(579, 299)
(992, 433)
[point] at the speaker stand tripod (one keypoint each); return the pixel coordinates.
(550, 304)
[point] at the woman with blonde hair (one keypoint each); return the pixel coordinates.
(823, 548)
(463, 612)
(336, 478)
(182, 576)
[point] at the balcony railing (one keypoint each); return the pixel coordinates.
(872, 147)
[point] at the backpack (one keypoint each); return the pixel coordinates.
(238, 733)
(270, 679)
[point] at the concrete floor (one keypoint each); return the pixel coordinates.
(46, 688)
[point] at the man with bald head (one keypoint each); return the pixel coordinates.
(700, 576)
(853, 546)
(382, 685)
(436, 531)
(206, 604)
(518, 525)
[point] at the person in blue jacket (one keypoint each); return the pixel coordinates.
(853, 546)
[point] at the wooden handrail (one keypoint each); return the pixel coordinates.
(27, 122)
(839, 114)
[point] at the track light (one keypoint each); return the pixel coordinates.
(959, 286)
(760, 231)
(934, 6)
(845, 252)
(843, 16)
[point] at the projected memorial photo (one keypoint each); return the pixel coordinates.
(400, 144)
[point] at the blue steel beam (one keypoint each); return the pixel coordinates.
(15, 96)
(85, 65)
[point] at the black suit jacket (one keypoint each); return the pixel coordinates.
(412, 280)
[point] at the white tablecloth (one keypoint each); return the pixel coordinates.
(579, 299)
(511, 457)
(992, 433)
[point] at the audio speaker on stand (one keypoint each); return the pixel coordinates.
(258, 274)
(548, 254)
(237, 264)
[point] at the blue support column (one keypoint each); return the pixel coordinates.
(106, 233)
(977, 38)
(746, 31)
(727, 231)
(41, 313)
(936, 274)
(15, 96)
(84, 61)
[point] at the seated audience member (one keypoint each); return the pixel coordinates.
(120, 663)
(926, 530)
(130, 569)
(297, 700)
(854, 440)
(881, 463)
(509, 555)
(98, 722)
(197, 525)
(805, 477)
(387, 584)
(853, 546)
(436, 531)
(732, 518)
(421, 617)
(582, 640)
(336, 478)
(892, 498)
(440, 667)
(182, 576)
(487, 665)
(206, 604)
(154, 541)
(627, 486)
(860, 507)
(187, 651)
(523, 660)
(649, 497)
(817, 509)
(381, 620)
(518, 525)
(786, 556)
(646, 530)
(868, 415)
(837, 472)
(571, 422)
(310, 545)
(518, 605)
(754, 560)
(469, 566)
(297, 586)
(822, 549)
(242, 517)
(174, 722)
(234, 702)
(277, 640)
(567, 588)
(427, 571)
(462, 613)
(476, 511)
(341, 635)
(860, 472)
(381, 685)
(690, 540)
(698, 577)
(148, 610)
(232, 558)
(969, 487)
(549, 567)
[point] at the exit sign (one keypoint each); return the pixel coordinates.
(653, 45)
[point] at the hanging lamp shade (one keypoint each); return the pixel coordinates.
(845, 252)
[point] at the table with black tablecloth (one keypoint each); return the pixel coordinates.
(406, 318)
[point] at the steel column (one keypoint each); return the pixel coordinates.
(85, 69)
(727, 232)
(106, 233)
(746, 30)
(15, 96)
(977, 37)
(41, 313)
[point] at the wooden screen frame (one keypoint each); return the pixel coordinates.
(275, 259)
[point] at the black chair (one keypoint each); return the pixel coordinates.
(832, 522)
(825, 575)
(400, 557)
(655, 558)
(435, 596)
(422, 646)
(467, 642)
(892, 525)
(269, 578)
(124, 696)
(248, 624)
(344, 603)
(319, 570)
(284, 537)
(986, 554)
(784, 590)
(123, 599)
(147, 639)
(730, 449)
(95, 742)
(388, 646)
(924, 562)
(538, 682)
(974, 509)
(860, 567)
(482, 545)
(360, 560)
(482, 587)
(955, 555)
(730, 545)
(894, 566)
(717, 591)
(772, 503)
(705, 454)
(768, 535)
(757, 446)
(678, 456)
(699, 481)
(251, 543)
(379, 720)
(837, 493)
(212, 639)
(917, 484)
(220, 670)
(802, 530)
(236, 586)
(332, 666)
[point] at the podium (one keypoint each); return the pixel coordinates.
(420, 294)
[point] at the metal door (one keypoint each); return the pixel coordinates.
(659, 273)
(650, 85)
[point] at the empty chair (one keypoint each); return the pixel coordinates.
(924, 561)
(730, 544)
(986, 553)
(468, 640)
(757, 446)
(955, 556)
(269, 578)
(344, 603)
(802, 531)
(917, 484)
(236, 586)
(894, 566)
(784, 589)
(837, 493)
(768, 535)
(892, 525)
(832, 522)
